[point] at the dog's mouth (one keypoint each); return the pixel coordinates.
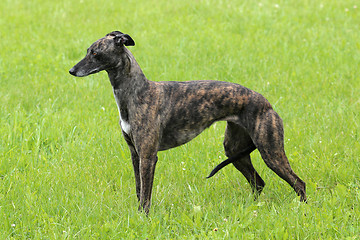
(96, 70)
(81, 73)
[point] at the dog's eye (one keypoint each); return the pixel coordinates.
(94, 53)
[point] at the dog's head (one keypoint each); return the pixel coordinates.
(103, 54)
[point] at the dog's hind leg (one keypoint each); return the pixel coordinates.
(269, 139)
(236, 139)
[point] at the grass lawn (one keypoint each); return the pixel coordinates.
(66, 172)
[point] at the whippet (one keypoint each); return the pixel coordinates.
(156, 116)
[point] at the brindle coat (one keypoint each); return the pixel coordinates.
(156, 116)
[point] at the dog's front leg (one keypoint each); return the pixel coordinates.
(147, 171)
(144, 169)
(136, 163)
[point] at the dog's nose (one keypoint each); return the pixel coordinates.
(72, 71)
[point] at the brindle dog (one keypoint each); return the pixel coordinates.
(156, 116)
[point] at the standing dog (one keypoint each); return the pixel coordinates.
(156, 116)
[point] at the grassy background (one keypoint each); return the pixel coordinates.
(66, 173)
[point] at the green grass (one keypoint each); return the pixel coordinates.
(65, 170)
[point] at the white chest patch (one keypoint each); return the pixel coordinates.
(125, 126)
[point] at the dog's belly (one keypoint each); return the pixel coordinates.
(177, 134)
(177, 137)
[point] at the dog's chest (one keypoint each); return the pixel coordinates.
(125, 126)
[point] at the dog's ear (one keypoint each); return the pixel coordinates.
(124, 39)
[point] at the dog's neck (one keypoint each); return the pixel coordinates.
(128, 82)
(127, 75)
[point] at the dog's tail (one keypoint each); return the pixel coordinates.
(232, 159)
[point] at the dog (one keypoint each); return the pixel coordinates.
(156, 116)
